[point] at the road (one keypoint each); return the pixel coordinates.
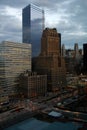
(73, 115)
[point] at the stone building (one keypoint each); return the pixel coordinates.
(50, 62)
(32, 85)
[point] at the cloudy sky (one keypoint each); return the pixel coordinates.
(68, 16)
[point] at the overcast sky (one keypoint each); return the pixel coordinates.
(68, 16)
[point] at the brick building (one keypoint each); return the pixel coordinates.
(50, 62)
(32, 85)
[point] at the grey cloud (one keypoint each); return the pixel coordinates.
(72, 12)
(22, 3)
(9, 27)
(15, 3)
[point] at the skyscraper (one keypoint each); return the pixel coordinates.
(63, 51)
(33, 25)
(15, 58)
(76, 49)
(50, 62)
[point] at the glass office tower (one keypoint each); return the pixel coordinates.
(15, 58)
(33, 25)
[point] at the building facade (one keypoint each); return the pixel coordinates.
(33, 24)
(85, 57)
(32, 85)
(15, 58)
(63, 51)
(50, 61)
(76, 49)
(74, 60)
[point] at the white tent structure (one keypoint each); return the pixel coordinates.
(55, 114)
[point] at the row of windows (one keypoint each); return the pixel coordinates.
(14, 59)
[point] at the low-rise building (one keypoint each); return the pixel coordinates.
(32, 85)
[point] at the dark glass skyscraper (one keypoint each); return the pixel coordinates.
(33, 25)
(85, 57)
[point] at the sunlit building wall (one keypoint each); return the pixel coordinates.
(15, 58)
(33, 25)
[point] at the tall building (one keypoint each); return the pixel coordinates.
(85, 57)
(76, 49)
(63, 51)
(15, 58)
(50, 62)
(33, 25)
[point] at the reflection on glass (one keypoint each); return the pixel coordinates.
(33, 24)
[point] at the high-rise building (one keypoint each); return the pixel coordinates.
(15, 58)
(76, 49)
(63, 51)
(50, 62)
(33, 25)
(85, 57)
